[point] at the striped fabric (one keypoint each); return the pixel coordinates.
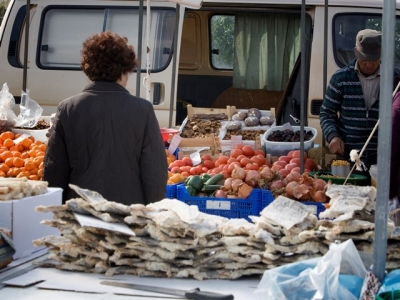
(344, 114)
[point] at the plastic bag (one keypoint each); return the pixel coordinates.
(391, 282)
(7, 116)
(30, 112)
(339, 274)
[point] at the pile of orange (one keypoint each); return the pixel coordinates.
(21, 157)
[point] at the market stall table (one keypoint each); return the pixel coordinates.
(43, 283)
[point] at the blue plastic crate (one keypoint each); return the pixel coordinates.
(171, 191)
(224, 207)
(175, 152)
(315, 207)
(266, 198)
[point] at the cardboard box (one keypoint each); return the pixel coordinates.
(20, 217)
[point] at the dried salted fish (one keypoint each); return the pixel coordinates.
(51, 208)
(235, 227)
(86, 194)
(304, 248)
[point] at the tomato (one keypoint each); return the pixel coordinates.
(309, 164)
(231, 160)
(276, 167)
(296, 170)
(252, 166)
(185, 169)
(180, 163)
(248, 150)
(204, 170)
(208, 164)
(223, 159)
(296, 161)
(290, 154)
(173, 165)
(195, 171)
(259, 152)
(239, 146)
(206, 157)
(175, 170)
(225, 173)
(284, 172)
(285, 158)
(244, 161)
(259, 161)
(290, 166)
(236, 152)
(187, 160)
(239, 158)
(280, 163)
(296, 153)
(185, 174)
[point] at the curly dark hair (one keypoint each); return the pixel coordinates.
(106, 56)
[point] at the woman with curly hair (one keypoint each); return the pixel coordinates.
(104, 139)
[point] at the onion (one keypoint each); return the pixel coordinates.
(266, 173)
(319, 196)
(220, 194)
(228, 184)
(236, 183)
(318, 184)
(300, 191)
(292, 176)
(252, 178)
(238, 173)
(277, 184)
(290, 187)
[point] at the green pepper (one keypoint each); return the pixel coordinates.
(204, 177)
(187, 179)
(195, 182)
(191, 190)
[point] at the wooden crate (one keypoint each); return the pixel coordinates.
(203, 110)
(189, 145)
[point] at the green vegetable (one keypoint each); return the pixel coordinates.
(195, 182)
(187, 179)
(205, 177)
(214, 179)
(191, 190)
(210, 188)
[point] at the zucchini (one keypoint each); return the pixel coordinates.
(210, 188)
(214, 179)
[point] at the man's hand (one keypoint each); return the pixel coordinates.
(336, 146)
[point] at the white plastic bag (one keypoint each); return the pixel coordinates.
(339, 274)
(30, 111)
(7, 115)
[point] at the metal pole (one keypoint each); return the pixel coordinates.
(27, 21)
(325, 67)
(302, 80)
(139, 49)
(174, 62)
(384, 139)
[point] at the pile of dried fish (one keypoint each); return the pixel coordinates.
(18, 188)
(287, 220)
(171, 239)
(351, 215)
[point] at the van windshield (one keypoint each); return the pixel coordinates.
(63, 31)
(346, 27)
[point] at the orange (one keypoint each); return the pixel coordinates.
(32, 153)
(2, 174)
(5, 135)
(26, 143)
(4, 168)
(17, 136)
(31, 138)
(41, 165)
(9, 161)
(38, 160)
(11, 134)
(29, 165)
(40, 173)
(5, 155)
(34, 171)
(16, 153)
(25, 155)
(14, 148)
(20, 147)
(8, 143)
(43, 147)
(18, 162)
(32, 177)
(38, 143)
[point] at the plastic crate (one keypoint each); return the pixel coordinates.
(171, 190)
(224, 207)
(266, 198)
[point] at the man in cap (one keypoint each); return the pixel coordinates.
(350, 108)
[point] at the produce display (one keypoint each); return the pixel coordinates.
(203, 125)
(288, 135)
(21, 156)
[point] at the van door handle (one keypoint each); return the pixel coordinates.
(215, 51)
(45, 48)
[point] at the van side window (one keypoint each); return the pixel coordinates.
(64, 29)
(345, 29)
(222, 41)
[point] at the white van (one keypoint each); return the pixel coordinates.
(244, 53)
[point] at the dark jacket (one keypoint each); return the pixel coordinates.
(395, 160)
(108, 141)
(344, 95)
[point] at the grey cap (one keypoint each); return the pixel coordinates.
(368, 44)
